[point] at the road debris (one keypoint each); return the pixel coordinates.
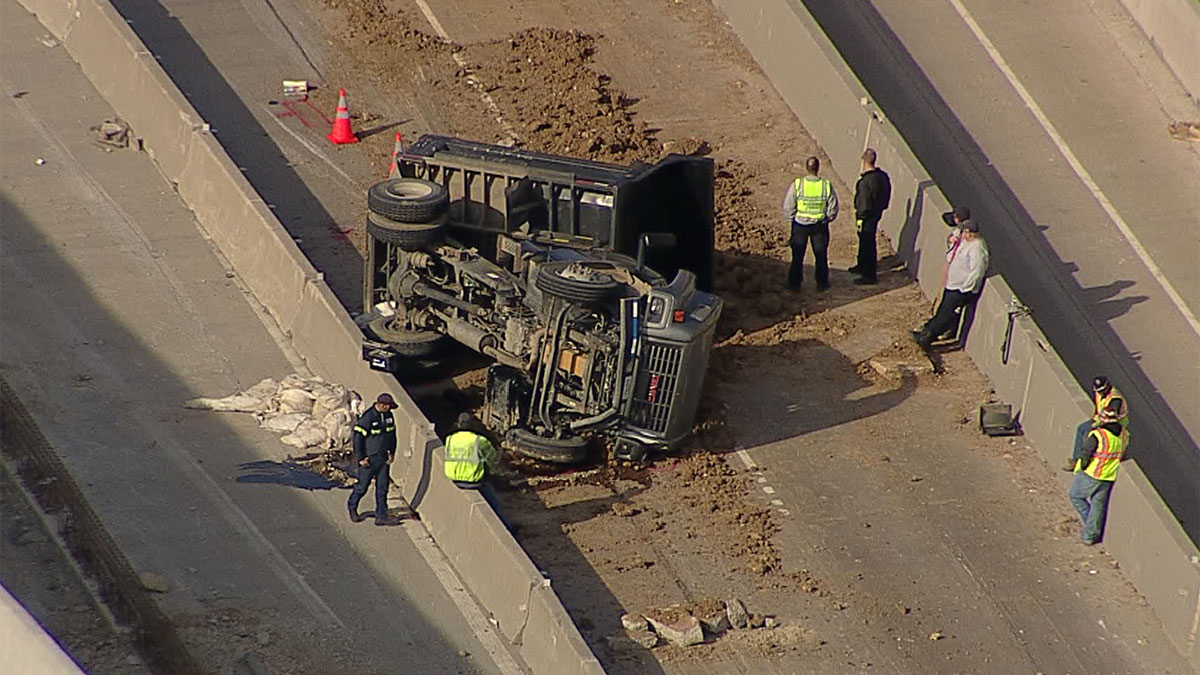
(112, 133)
(1184, 131)
(312, 413)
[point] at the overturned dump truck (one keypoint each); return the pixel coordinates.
(554, 268)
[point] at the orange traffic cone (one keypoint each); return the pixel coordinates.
(396, 150)
(342, 133)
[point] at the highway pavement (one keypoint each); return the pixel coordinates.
(117, 310)
(1050, 122)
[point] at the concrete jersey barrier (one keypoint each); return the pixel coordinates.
(488, 560)
(1173, 27)
(829, 100)
(25, 647)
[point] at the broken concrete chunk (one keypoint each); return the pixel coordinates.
(621, 642)
(683, 632)
(634, 622)
(716, 623)
(736, 611)
(757, 621)
(643, 638)
(770, 622)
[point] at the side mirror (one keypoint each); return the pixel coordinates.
(653, 240)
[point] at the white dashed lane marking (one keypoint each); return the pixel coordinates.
(767, 489)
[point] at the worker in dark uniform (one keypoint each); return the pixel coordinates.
(872, 195)
(469, 457)
(374, 451)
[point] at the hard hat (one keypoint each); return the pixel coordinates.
(1100, 383)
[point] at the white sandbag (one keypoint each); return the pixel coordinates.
(295, 401)
(328, 397)
(357, 407)
(310, 434)
(234, 403)
(294, 381)
(338, 426)
(326, 390)
(264, 389)
(284, 423)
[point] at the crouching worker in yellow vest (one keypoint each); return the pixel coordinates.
(1096, 471)
(469, 457)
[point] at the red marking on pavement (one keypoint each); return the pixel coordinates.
(328, 122)
(343, 235)
(293, 112)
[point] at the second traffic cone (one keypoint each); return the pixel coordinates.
(396, 151)
(342, 133)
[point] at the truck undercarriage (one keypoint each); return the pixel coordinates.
(587, 341)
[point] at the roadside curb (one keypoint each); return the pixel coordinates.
(276, 272)
(48, 479)
(1142, 535)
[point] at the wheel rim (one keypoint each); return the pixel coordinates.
(407, 190)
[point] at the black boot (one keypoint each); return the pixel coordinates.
(922, 337)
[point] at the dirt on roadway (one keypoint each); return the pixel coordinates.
(631, 81)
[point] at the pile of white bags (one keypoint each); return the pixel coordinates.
(311, 412)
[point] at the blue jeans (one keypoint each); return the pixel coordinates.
(376, 470)
(1090, 498)
(1081, 433)
(489, 495)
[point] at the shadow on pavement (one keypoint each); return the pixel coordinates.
(249, 145)
(287, 473)
(797, 388)
(153, 481)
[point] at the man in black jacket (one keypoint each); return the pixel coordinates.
(374, 450)
(872, 194)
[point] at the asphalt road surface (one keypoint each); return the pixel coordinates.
(116, 310)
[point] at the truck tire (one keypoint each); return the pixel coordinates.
(569, 450)
(564, 279)
(412, 343)
(408, 200)
(408, 236)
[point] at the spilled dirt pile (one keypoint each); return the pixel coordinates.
(543, 82)
(711, 488)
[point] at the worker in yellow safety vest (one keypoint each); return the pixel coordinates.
(1096, 470)
(809, 206)
(470, 457)
(1104, 396)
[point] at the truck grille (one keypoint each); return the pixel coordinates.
(654, 392)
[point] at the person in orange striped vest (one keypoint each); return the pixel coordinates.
(1104, 395)
(1096, 471)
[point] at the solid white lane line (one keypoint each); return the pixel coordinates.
(462, 63)
(1077, 166)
